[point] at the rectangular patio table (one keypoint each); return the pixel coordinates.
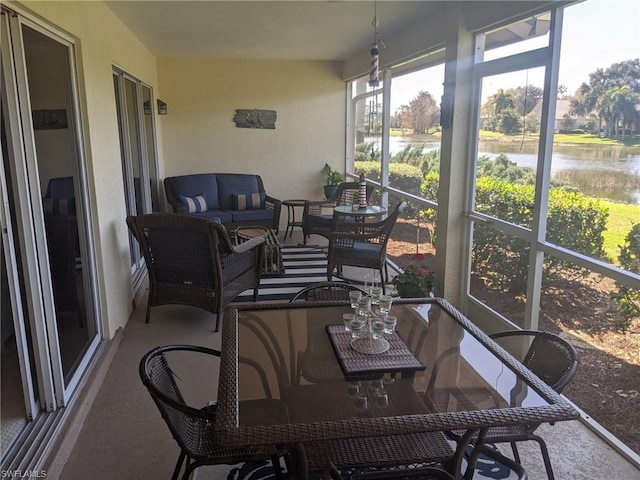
(470, 383)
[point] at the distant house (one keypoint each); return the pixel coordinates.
(564, 121)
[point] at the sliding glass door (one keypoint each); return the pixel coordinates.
(134, 103)
(50, 328)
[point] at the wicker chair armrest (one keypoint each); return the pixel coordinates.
(272, 203)
(248, 245)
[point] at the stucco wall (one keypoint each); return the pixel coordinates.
(200, 135)
(102, 41)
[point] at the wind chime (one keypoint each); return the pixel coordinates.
(374, 76)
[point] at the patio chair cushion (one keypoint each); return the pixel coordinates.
(363, 251)
(230, 185)
(197, 204)
(250, 215)
(253, 201)
(198, 184)
(217, 216)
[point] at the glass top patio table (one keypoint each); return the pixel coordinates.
(469, 382)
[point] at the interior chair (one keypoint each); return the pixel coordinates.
(555, 361)
(191, 261)
(317, 216)
(193, 427)
(326, 291)
(363, 244)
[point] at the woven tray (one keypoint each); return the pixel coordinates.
(398, 358)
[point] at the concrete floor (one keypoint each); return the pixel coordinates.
(123, 436)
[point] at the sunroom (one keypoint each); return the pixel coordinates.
(103, 100)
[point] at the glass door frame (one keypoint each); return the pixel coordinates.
(53, 391)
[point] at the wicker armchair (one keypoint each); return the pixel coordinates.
(191, 261)
(555, 361)
(317, 216)
(193, 428)
(364, 245)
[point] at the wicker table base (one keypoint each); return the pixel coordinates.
(271, 255)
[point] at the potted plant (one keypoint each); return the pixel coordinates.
(332, 178)
(416, 281)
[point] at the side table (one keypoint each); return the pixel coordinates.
(291, 215)
(271, 255)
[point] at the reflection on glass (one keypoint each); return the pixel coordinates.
(508, 145)
(49, 82)
(500, 266)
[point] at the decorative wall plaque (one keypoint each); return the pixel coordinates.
(255, 118)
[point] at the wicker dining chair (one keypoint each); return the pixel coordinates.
(326, 291)
(193, 428)
(363, 245)
(555, 361)
(191, 261)
(317, 216)
(426, 473)
(319, 366)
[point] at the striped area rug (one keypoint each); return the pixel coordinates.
(302, 266)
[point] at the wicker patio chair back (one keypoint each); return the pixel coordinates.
(555, 361)
(326, 291)
(550, 357)
(191, 261)
(426, 473)
(363, 244)
(317, 217)
(193, 428)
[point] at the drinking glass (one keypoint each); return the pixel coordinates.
(364, 305)
(377, 328)
(389, 324)
(385, 304)
(357, 326)
(354, 296)
(371, 281)
(376, 292)
(347, 318)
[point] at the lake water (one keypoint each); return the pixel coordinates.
(609, 172)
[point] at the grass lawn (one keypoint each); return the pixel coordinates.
(621, 218)
(574, 138)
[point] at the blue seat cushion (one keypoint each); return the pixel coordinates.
(229, 185)
(365, 251)
(251, 215)
(321, 219)
(217, 216)
(197, 184)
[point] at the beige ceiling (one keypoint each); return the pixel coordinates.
(296, 30)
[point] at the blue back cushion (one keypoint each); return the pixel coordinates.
(60, 188)
(229, 185)
(198, 184)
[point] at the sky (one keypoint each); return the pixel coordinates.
(596, 33)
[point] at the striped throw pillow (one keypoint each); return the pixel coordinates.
(195, 204)
(252, 201)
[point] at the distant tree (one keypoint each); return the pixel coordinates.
(424, 112)
(602, 95)
(525, 98)
(509, 121)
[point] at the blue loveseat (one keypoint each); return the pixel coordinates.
(232, 199)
